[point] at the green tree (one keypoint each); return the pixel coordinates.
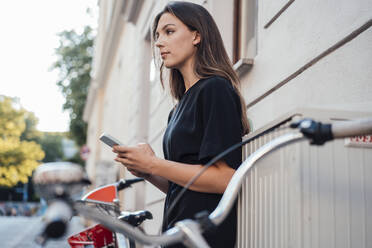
(18, 158)
(31, 133)
(74, 65)
(51, 144)
(12, 122)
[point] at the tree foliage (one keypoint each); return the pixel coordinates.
(51, 143)
(74, 65)
(18, 158)
(12, 122)
(31, 133)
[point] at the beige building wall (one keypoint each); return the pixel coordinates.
(304, 53)
(315, 54)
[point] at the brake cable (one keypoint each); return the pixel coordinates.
(214, 160)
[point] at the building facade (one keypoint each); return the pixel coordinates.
(289, 54)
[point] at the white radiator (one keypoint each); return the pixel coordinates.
(307, 196)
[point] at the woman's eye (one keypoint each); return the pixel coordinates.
(169, 31)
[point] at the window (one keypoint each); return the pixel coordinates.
(245, 34)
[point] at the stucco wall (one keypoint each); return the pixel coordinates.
(339, 81)
(305, 30)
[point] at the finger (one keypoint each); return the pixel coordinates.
(118, 148)
(123, 155)
(126, 162)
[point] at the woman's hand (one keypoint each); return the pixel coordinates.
(141, 161)
(139, 174)
(137, 159)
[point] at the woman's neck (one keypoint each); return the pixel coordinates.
(188, 74)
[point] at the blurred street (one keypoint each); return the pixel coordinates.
(21, 231)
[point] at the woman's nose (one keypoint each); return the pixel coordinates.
(159, 43)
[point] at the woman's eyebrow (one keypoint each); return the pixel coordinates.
(165, 26)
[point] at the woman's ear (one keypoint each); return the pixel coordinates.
(196, 40)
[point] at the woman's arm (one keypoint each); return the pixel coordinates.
(141, 158)
(159, 182)
(214, 180)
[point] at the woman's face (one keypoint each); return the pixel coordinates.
(175, 41)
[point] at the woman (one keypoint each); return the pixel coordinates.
(208, 118)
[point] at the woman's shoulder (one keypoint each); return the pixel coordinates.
(216, 83)
(218, 80)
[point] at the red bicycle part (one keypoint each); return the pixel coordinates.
(106, 193)
(96, 236)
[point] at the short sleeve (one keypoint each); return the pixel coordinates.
(221, 121)
(170, 115)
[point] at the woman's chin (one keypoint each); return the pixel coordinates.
(170, 65)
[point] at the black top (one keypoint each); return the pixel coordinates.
(205, 122)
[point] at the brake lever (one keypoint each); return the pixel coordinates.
(317, 132)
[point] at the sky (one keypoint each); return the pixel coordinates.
(28, 38)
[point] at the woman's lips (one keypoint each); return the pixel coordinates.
(164, 54)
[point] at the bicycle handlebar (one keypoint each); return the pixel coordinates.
(123, 184)
(232, 190)
(189, 231)
(346, 129)
(135, 218)
(319, 133)
(169, 237)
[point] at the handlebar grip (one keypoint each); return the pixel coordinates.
(127, 183)
(352, 128)
(317, 132)
(57, 217)
(135, 218)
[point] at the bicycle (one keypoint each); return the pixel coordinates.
(189, 232)
(105, 199)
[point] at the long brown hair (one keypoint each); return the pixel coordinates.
(211, 56)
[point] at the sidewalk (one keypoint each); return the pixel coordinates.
(21, 231)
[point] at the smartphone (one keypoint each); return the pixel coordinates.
(109, 140)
